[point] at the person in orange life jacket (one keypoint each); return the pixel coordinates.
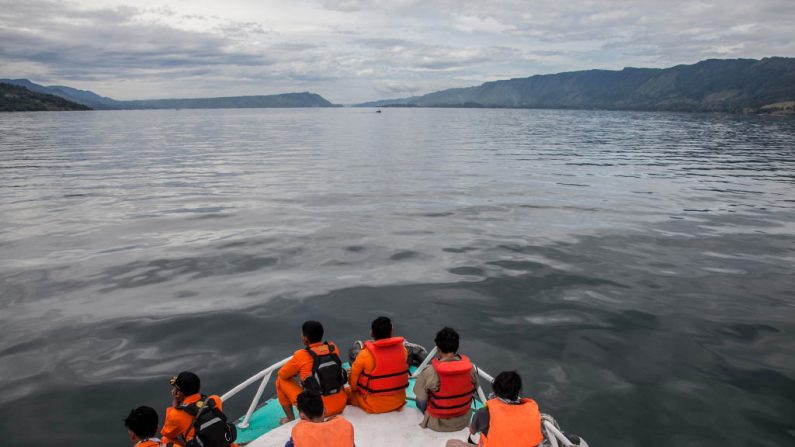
(185, 389)
(444, 390)
(314, 429)
(291, 377)
(380, 375)
(141, 425)
(507, 420)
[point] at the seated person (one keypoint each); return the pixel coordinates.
(314, 430)
(142, 425)
(186, 404)
(317, 366)
(444, 391)
(380, 374)
(507, 420)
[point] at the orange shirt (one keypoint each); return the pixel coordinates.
(334, 432)
(368, 402)
(301, 362)
(300, 365)
(178, 421)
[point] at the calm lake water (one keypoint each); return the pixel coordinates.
(637, 269)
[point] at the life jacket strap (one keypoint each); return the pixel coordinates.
(437, 397)
(190, 409)
(453, 407)
(402, 387)
(369, 376)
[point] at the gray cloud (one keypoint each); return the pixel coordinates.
(108, 42)
(356, 50)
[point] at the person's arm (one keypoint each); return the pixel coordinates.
(171, 430)
(480, 421)
(357, 367)
(420, 393)
(291, 368)
(475, 382)
(427, 381)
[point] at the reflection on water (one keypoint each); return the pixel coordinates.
(636, 268)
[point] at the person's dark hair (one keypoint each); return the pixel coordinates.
(186, 382)
(142, 421)
(447, 340)
(507, 385)
(313, 331)
(310, 403)
(382, 328)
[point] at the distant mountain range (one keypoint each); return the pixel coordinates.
(98, 102)
(730, 85)
(733, 85)
(14, 98)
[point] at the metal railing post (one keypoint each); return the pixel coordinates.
(485, 375)
(557, 435)
(255, 402)
(424, 363)
(253, 379)
(481, 395)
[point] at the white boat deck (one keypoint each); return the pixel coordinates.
(395, 429)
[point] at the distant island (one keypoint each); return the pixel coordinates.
(95, 101)
(14, 98)
(732, 85)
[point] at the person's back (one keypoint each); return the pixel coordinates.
(187, 403)
(379, 375)
(305, 366)
(512, 424)
(314, 430)
(444, 391)
(508, 420)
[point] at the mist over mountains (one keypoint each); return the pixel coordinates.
(733, 85)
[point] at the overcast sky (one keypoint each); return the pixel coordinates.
(357, 50)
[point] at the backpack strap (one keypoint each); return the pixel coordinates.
(204, 400)
(330, 348)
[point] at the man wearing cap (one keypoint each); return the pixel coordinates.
(184, 391)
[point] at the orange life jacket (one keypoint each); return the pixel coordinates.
(391, 372)
(335, 432)
(454, 397)
(513, 425)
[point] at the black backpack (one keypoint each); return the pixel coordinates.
(210, 428)
(328, 377)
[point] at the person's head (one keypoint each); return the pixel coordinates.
(184, 384)
(310, 405)
(447, 340)
(141, 423)
(381, 328)
(507, 385)
(312, 332)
